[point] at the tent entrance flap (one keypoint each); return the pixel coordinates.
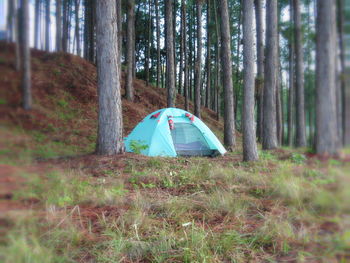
(189, 141)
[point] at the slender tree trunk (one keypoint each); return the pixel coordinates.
(130, 49)
(250, 150)
(340, 16)
(236, 91)
(208, 88)
(47, 25)
(58, 25)
(269, 118)
(198, 75)
(110, 125)
(65, 26)
(148, 47)
(158, 42)
(326, 113)
(299, 71)
(260, 65)
(11, 30)
(181, 61)
(226, 65)
(18, 33)
(36, 23)
(120, 32)
(184, 43)
(291, 84)
(217, 62)
(25, 56)
(279, 119)
(92, 39)
(77, 27)
(170, 60)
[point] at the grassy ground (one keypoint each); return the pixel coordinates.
(60, 203)
(284, 208)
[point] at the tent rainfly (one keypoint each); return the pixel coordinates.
(173, 132)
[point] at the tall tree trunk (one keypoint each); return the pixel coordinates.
(236, 91)
(340, 16)
(11, 30)
(208, 89)
(36, 23)
(158, 42)
(279, 118)
(170, 60)
(250, 150)
(120, 32)
(18, 35)
(260, 65)
(269, 108)
(58, 25)
(148, 48)
(291, 82)
(25, 56)
(130, 49)
(110, 121)
(184, 41)
(47, 25)
(198, 75)
(299, 71)
(217, 63)
(65, 26)
(77, 27)
(326, 113)
(226, 65)
(92, 39)
(181, 61)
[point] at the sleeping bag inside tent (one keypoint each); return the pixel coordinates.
(173, 132)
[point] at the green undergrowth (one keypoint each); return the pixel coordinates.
(187, 210)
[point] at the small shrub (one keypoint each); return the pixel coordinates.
(298, 158)
(138, 146)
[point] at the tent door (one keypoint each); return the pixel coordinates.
(189, 141)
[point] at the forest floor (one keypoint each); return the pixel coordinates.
(61, 203)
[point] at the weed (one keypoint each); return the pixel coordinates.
(138, 146)
(298, 158)
(2, 100)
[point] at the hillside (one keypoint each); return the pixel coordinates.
(65, 99)
(61, 203)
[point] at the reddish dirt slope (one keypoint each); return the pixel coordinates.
(65, 96)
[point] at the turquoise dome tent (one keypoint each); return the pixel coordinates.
(173, 132)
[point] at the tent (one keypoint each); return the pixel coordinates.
(173, 132)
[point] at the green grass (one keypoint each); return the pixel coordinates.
(179, 209)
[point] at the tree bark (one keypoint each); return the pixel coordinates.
(65, 26)
(148, 53)
(47, 25)
(208, 87)
(291, 82)
(184, 41)
(299, 71)
(198, 75)
(130, 49)
(269, 105)
(158, 42)
(226, 65)
(326, 113)
(77, 27)
(170, 60)
(25, 56)
(260, 65)
(250, 150)
(110, 121)
(18, 35)
(11, 29)
(58, 25)
(120, 30)
(36, 23)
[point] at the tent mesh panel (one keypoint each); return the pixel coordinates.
(189, 141)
